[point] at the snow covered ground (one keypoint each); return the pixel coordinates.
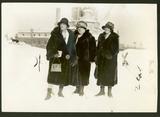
(24, 87)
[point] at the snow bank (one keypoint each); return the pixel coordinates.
(24, 86)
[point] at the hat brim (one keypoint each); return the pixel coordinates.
(103, 27)
(63, 23)
(81, 27)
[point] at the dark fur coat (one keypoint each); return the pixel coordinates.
(107, 52)
(86, 50)
(55, 43)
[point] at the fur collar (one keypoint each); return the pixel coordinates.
(113, 35)
(87, 34)
(57, 30)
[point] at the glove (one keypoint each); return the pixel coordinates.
(108, 56)
(74, 63)
(95, 59)
(56, 55)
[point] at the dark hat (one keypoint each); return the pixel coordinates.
(81, 24)
(109, 25)
(64, 21)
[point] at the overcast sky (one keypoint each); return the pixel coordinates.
(134, 22)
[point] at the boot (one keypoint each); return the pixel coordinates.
(110, 91)
(81, 91)
(77, 89)
(102, 92)
(60, 94)
(49, 94)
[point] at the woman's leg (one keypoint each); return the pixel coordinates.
(81, 92)
(109, 91)
(49, 92)
(102, 91)
(60, 94)
(77, 89)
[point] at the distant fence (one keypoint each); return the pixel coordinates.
(42, 42)
(37, 42)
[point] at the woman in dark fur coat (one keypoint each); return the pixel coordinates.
(61, 49)
(85, 48)
(106, 60)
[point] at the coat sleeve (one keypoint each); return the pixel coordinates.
(115, 46)
(92, 49)
(74, 54)
(98, 45)
(51, 47)
(97, 52)
(103, 49)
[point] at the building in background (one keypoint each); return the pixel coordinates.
(38, 39)
(74, 14)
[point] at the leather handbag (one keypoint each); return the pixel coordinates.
(56, 67)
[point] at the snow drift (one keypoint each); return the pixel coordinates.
(24, 87)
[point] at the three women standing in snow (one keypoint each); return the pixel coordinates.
(74, 52)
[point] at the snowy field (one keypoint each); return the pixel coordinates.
(24, 87)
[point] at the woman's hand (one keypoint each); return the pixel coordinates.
(56, 55)
(95, 58)
(74, 63)
(108, 56)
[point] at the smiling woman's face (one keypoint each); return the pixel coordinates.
(63, 26)
(81, 30)
(107, 30)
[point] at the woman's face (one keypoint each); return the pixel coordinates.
(107, 30)
(81, 30)
(63, 26)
